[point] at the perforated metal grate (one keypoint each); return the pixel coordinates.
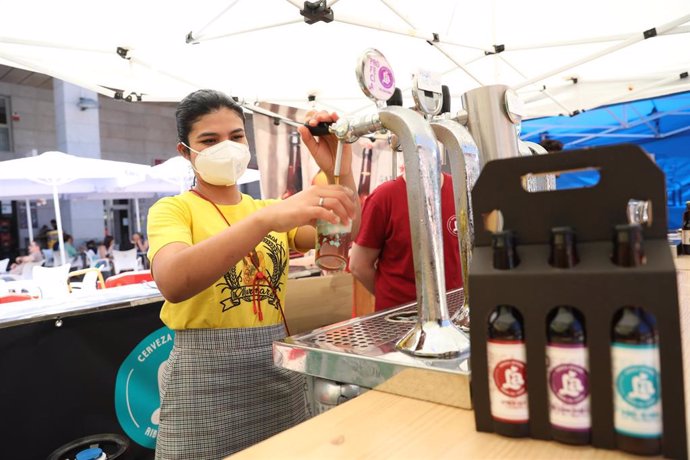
(378, 330)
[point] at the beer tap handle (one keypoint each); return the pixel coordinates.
(321, 129)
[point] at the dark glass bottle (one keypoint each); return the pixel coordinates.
(504, 251)
(635, 360)
(568, 376)
(563, 248)
(294, 173)
(508, 372)
(365, 174)
(685, 231)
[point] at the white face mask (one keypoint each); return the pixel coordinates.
(222, 163)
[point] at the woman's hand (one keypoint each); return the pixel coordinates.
(333, 203)
(323, 149)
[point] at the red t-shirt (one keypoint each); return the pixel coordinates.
(386, 226)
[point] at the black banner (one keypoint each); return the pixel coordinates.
(57, 384)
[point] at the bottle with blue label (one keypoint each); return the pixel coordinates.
(567, 373)
(635, 361)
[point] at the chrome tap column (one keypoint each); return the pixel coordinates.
(463, 157)
(492, 113)
(434, 335)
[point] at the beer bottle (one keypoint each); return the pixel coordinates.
(505, 254)
(685, 231)
(507, 372)
(568, 376)
(563, 248)
(294, 172)
(365, 174)
(635, 360)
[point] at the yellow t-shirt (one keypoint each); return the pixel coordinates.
(230, 301)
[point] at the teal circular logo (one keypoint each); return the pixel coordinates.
(639, 386)
(137, 401)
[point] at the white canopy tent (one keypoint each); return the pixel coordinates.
(560, 57)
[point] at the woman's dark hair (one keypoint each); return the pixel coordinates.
(198, 104)
(107, 240)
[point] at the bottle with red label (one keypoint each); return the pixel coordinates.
(567, 372)
(508, 372)
(635, 360)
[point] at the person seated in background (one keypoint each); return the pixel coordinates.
(105, 250)
(76, 259)
(142, 246)
(139, 242)
(70, 250)
(35, 255)
(52, 234)
(381, 256)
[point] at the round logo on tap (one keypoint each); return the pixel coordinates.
(375, 76)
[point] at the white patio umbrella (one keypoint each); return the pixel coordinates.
(171, 177)
(52, 173)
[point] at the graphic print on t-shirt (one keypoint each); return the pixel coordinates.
(256, 276)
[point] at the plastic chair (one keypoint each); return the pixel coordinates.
(28, 269)
(7, 298)
(52, 281)
(47, 257)
(125, 260)
(92, 280)
(134, 277)
(19, 289)
(3, 265)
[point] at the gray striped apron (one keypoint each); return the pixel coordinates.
(221, 393)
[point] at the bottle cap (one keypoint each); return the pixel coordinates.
(563, 248)
(505, 255)
(94, 453)
(627, 245)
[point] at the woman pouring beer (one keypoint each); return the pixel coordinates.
(220, 259)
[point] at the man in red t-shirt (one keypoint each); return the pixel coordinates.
(381, 258)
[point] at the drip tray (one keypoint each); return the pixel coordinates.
(361, 351)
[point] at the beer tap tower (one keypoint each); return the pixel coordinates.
(427, 357)
(434, 335)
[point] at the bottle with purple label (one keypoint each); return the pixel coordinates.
(568, 376)
(635, 360)
(507, 361)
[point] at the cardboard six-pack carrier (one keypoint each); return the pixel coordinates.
(595, 286)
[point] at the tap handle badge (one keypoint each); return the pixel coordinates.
(375, 77)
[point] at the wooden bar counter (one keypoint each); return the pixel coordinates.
(379, 425)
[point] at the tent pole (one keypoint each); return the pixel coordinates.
(418, 34)
(58, 218)
(38, 68)
(544, 91)
(136, 211)
(29, 223)
(245, 31)
(585, 41)
(635, 38)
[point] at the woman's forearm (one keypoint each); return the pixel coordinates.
(183, 271)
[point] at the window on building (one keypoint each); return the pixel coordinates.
(5, 138)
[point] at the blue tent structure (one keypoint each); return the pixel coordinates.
(660, 125)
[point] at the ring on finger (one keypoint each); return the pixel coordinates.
(321, 200)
